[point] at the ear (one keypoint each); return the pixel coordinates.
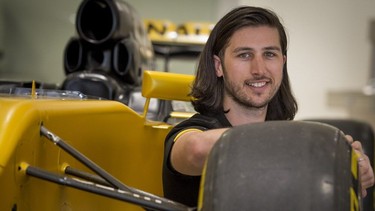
(218, 66)
(284, 59)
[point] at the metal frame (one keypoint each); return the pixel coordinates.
(103, 183)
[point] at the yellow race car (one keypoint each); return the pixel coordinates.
(97, 142)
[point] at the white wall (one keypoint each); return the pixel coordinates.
(34, 37)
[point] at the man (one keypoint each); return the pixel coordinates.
(241, 78)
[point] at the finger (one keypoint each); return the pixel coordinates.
(364, 193)
(349, 139)
(366, 173)
(357, 146)
(363, 160)
(367, 181)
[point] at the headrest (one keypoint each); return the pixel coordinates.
(166, 85)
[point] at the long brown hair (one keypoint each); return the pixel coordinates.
(208, 89)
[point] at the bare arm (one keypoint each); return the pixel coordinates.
(190, 150)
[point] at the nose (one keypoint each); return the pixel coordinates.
(257, 66)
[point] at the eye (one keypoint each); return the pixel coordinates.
(244, 55)
(270, 54)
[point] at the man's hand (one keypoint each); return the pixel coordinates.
(366, 173)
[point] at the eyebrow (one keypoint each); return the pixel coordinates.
(274, 48)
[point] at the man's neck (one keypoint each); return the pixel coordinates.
(239, 115)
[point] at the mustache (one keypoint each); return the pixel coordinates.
(258, 78)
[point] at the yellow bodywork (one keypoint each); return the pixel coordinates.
(112, 135)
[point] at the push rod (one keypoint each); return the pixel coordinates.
(82, 158)
(142, 200)
(86, 176)
(101, 172)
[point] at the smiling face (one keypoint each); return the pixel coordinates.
(251, 67)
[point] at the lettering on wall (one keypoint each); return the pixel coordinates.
(165, 31)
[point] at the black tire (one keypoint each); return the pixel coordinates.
(281, 165)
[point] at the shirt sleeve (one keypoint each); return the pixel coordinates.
(196, 122)
(182, 132)
(177, 186)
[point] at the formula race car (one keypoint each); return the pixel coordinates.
(97, 142)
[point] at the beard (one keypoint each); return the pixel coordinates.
(245, 97)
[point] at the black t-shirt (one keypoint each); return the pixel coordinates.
(179, 187)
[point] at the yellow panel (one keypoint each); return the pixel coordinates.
(166, 86)
(107, 132)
